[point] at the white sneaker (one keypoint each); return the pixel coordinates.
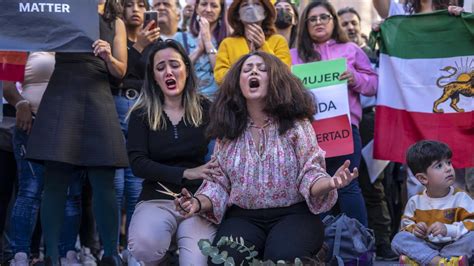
(70, 259)
(87, 258)
(20, 259)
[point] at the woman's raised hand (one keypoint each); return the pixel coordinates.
(343, 176)
(255, 35)
(146, 36)
(103, 50)
(349, 76)
(455, 10)
(205, 171)
(205, 30)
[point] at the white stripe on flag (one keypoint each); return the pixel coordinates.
(410, 84)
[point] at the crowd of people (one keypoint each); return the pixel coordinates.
(169, 132)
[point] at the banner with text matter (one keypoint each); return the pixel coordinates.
(48, 25)
(332, 121)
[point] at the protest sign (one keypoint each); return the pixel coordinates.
(332, 120)
(48, 25)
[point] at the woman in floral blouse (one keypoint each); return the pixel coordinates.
(272, 181)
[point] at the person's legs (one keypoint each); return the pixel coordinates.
(56, 182)
(30, 187)
(350, 198)
(460, 247)
(417, 249)
(7, 180)
(377, 208)
(189, 232)
(72, 215)
(104, 205)
(119, 184)
(133, 188)
(88, 231)
(294, 236)
(152, 226)
(238, 224)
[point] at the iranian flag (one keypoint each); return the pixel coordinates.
(426, 80)
(12, 65)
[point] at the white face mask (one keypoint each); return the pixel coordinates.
(252, 13)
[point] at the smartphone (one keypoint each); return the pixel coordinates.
(149, 16)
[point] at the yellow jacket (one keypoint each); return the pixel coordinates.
(232, 48)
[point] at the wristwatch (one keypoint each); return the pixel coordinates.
(212, 51)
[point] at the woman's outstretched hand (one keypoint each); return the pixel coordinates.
(343, 176)
(186, 205)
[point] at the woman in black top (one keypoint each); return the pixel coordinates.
(166, 144)
(77, 128)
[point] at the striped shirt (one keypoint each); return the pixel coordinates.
(455, 210)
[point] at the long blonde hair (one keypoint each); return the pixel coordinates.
(151, 100)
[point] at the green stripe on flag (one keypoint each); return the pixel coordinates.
(432, 35)
(320, 74)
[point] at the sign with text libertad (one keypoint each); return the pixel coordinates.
(332, 121)
(48, 25)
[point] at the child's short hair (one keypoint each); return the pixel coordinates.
(423, 153)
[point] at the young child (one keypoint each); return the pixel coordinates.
(437, 226)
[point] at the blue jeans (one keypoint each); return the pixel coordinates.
(422, 251)
(25, 210)
(351, 201)
(126, 184)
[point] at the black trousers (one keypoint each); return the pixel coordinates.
(278, 233)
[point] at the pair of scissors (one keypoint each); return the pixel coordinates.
(168, 192)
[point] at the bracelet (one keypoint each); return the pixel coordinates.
(212, 51)
(20, 102)
(199, 203)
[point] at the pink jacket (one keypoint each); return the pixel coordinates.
(357, 62)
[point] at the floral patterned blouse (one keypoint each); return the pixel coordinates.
(277, 174)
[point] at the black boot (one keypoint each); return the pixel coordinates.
(49, 262)
(111, 261)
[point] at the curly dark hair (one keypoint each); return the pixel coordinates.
(268, 24)
(304, 42)
(414, 6)
(112, 11)
(287, 100)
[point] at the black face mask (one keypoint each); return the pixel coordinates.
(283, 19)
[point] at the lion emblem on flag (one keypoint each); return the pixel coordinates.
(463, 85)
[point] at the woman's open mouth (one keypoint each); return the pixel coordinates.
(254, 83)
(170, 84)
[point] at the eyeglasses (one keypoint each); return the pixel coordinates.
(323, 18)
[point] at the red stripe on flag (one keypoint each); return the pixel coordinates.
(396, 130)
(11, 72)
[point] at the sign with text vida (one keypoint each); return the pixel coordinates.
(48, 25)
(332, 121)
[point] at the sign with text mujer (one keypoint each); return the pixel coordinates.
(332, 121)
(48, 25)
